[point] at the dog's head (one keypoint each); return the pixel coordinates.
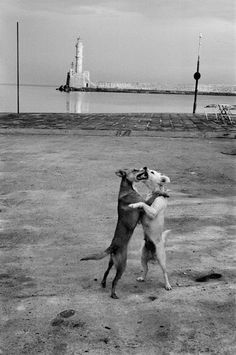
(133, 175)
(155, 179)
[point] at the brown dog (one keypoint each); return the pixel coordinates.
(127, 221)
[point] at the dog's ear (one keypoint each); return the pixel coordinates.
(120, 173)
(165, 179)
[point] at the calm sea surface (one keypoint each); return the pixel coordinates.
(48, 99)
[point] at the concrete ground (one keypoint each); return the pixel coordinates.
(58, 203)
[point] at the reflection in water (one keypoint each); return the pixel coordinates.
(104, 102)
(76, 102)
(47, 99)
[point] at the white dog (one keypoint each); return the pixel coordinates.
(153, 224)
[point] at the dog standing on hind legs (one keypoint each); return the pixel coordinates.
(127, 221)
(153, 224)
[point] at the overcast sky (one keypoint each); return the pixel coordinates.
(124, 40)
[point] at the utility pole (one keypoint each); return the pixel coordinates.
(17, 68)
(197, 75)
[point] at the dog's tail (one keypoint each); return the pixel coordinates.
(98, 256)
(165, 234)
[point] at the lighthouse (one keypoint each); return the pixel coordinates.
(79, 56)
(77, 79)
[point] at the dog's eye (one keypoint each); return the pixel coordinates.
(152, 172)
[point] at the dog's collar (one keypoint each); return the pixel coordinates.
(163, 194)
(154, 195)
(158, 194)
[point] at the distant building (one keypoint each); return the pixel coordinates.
(78, 77)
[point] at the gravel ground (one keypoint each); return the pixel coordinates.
(58, 202)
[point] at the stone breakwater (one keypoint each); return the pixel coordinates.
(127, 124)
(67, 88)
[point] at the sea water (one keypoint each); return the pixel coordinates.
(48, 99)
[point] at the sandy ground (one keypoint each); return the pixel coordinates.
(58, 202)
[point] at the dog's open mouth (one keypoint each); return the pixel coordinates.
(142, 176)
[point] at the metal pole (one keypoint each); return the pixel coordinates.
(17, 69)
(197, 75)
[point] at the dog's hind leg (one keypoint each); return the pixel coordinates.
(120, 263)
(148, 254)
(110, 264)
(161, 257)
(144, 263)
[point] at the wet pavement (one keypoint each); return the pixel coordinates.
(135, 124)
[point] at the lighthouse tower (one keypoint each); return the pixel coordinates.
(79, 56)
(78, 79)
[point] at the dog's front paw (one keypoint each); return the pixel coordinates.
(140, 279)
(136, 205)
(131, 205)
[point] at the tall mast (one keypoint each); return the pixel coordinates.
(17, 68)
(197, 75)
